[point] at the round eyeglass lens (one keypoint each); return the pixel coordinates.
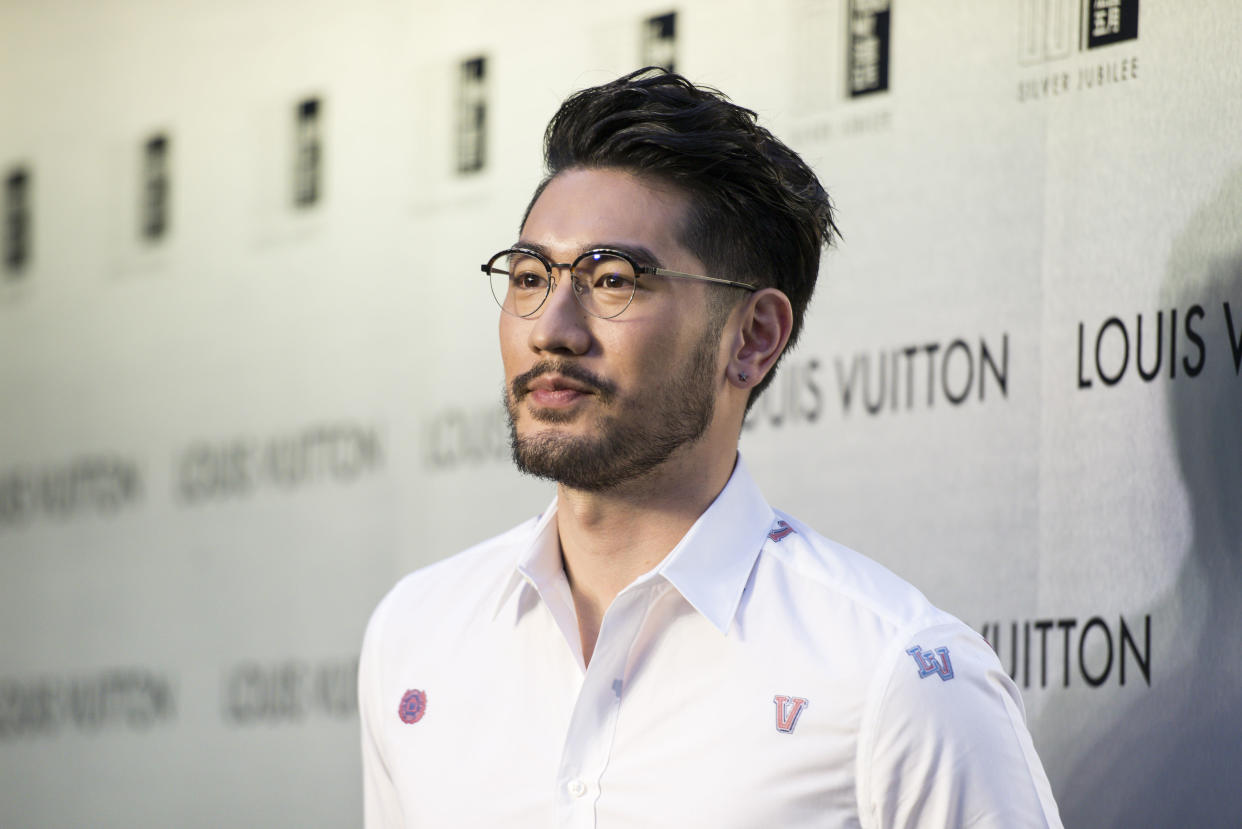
(605, 284)
(519, 282)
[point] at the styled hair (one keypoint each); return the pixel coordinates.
(757, 213)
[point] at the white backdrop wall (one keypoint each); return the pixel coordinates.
(229, 420)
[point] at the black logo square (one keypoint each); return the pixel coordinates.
(1110, 21)
(659, 44)
(307, 153)
(472, 115)
(154, 189)
(868, 47)
(17, 220)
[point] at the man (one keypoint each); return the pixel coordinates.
(660, 647)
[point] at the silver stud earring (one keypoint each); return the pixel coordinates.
(743, 377)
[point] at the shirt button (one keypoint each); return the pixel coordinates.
(576, 788)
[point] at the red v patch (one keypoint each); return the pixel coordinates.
(788, 709)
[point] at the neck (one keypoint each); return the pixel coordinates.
(609, 539)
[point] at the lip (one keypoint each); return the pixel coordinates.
(555, 391)
(555, 399)
(557, 382)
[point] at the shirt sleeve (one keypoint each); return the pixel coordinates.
(945, 742)
(381, 806)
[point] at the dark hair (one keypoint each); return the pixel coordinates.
(757, 212)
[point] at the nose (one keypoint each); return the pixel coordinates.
(562, 325)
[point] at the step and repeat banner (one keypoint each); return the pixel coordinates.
(249, 375)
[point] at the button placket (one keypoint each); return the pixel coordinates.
(592, 726)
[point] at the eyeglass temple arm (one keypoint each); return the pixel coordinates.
(729, 282)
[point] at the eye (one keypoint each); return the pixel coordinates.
(526, 273)
(608, 274)
(530, 280)
(614, 282)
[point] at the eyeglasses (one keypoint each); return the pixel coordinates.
(604, 280)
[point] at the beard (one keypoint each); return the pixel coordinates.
(637, 436)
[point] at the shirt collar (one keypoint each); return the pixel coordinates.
(539, 560)
(710, 566)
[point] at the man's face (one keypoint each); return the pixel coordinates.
(593, 402)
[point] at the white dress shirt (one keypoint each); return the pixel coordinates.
(759, 676)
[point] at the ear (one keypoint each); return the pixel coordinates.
(765, 324)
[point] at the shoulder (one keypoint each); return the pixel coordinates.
(944, 739)
(903, 645)
(941, 731)
(846, 584)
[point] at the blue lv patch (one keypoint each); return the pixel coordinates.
(928, 664)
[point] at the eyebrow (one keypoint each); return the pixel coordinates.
(639, 253)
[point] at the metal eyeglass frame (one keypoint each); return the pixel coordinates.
(639, 270)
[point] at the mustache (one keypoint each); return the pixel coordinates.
(604, 389)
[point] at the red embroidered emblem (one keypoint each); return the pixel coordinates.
(788, 709)
(413, 706)
(780, 531)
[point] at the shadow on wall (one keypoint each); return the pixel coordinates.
(1174, 759)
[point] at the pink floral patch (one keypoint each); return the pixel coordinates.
(413, 706)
